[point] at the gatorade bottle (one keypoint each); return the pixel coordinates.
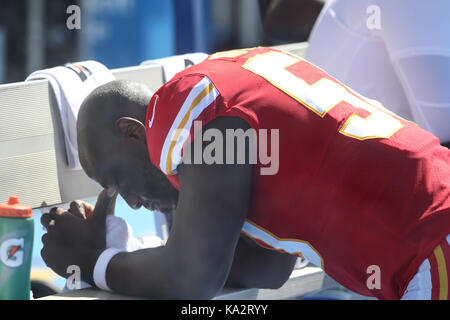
(16, 243)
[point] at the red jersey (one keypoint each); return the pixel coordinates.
(357, 187)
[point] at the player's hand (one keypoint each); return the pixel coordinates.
(72, 239)
(81, 209)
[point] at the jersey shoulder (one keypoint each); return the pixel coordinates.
(225, 62)
(170, 116)
(200, 92)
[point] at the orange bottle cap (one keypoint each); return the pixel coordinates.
(13, 209)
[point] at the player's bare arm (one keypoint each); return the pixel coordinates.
(257, 267)
(195, 262)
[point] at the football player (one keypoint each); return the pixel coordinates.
(348, 184)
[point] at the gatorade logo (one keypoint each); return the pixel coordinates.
(11, 252)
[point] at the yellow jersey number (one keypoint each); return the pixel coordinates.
(322, 96)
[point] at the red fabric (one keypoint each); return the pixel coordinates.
(381, 202)
(434, 273)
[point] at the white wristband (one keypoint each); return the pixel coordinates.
(101, 265)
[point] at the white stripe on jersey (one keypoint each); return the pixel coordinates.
(291, 246)
(179, 131)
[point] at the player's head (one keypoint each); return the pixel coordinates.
(113, 148)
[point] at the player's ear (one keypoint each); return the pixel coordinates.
(131, 128)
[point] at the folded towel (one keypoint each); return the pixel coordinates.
(71, 83)
(174, 64)
(119, 235)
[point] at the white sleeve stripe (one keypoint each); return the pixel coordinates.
(191, 108)
(291, 246)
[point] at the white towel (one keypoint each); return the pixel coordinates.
(71, 83)
(119, 235)
(174, 64)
